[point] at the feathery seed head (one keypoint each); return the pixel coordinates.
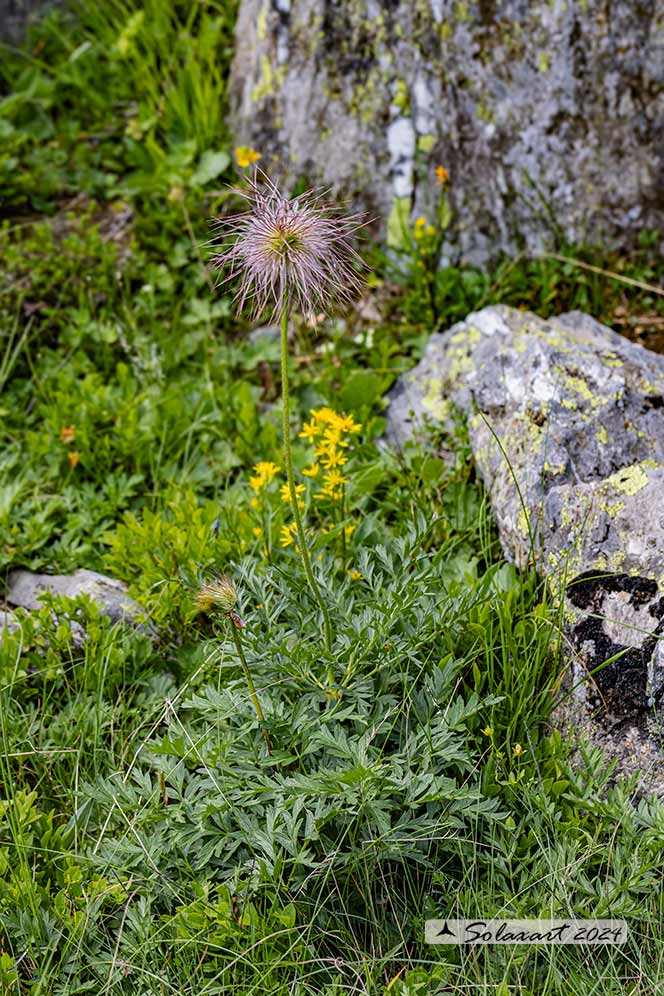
(297, 253)
(218, 593)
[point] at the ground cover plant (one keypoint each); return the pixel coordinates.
(150, 841)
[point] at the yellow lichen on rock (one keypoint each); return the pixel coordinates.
(629, 480)
(434, 402)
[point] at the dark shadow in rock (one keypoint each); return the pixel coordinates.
(622, 623)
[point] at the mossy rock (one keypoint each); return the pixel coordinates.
(565, 422)
(548, 128)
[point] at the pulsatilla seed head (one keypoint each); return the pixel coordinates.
(289, 253)
(219, 593)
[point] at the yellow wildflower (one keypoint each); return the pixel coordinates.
(333, 459)
(348, 424)
(310, 430)
(257, 531)
(288, 534)
(74, 457)
(488, 731)
(518, 750)
(334, 479)
(245, 156)
(333, 482)
(264, 473)
(68, 433)
(327, 431)
(442, 176)
(325, 416)
(284, 491)
(355, 575)
(349, 530)
(332, 437)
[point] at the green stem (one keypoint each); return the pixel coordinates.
(250, 684)
(288, 453)
(343, 528)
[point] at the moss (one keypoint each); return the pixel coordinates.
(612, 508)
(368, 98)
(270, 81)
(461, 344)
(579, 386)
(261, 23)
(402, 98)
(425, 143)
(611, 360)
(485, 113)
(616, 560)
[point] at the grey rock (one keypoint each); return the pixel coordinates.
(263, 333)
(8, 621)
(16, 15)
(25, 590)
(549, 117)
(565, 420)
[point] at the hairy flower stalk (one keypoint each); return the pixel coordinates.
(290, 255)
(221, 594)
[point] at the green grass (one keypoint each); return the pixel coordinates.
(148, 844)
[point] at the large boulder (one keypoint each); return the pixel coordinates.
(566, 425)
(26, 590)
(548, 116)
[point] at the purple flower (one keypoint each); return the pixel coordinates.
(289, 253)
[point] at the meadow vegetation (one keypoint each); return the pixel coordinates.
(149, 841)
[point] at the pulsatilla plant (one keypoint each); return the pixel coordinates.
(290, 254)
(220, 595)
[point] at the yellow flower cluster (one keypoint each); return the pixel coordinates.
(329, 432)
(288, 534)
(264, 473)
(422, 229)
